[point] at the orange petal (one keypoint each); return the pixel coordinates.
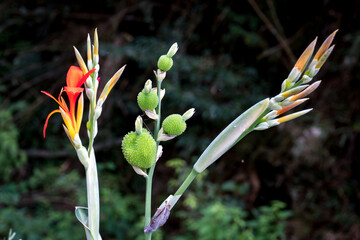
(111, 83)
(305, 56)
(293, 116)
(85, 77)
(47, 120)
(68, 122)
(306, 92)
(326, 44)
(291, 106)
(73, 76)
(49, 95)
(80, 110)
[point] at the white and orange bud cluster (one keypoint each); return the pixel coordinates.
(295, 87)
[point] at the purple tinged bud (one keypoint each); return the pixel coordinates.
(159, 219)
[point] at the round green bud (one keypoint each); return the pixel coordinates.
(139, 149)
(147, 101)
(165, 63)
(174, 125)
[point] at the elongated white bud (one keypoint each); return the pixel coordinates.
(89, 93)
(138, 125)
(293, 116)
(80, 61)
(188, 114)
(148, 86)
(89, 57)
(89, 82)
(173, 49)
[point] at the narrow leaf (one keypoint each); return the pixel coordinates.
(81, 214)
(230, 135)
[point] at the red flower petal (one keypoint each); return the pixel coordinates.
(73, 76)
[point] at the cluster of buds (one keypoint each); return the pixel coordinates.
(139, 147)
(295, 87)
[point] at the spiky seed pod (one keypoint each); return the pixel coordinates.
(147, 101)
(139, 149)
(174, 125)
(165, 63)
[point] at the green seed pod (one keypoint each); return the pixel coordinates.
(147, 101)
(139, 149)
(165, 63)
(174, 125)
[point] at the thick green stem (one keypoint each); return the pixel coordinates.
(187, 182)
(92, 185)
(151, 171)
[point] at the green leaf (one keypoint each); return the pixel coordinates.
(81, 214)
(230, 135)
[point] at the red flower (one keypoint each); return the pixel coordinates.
(74, 80)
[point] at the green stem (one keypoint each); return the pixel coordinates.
(92, 186)
(187, 182)
(151, 171)
(192, 175)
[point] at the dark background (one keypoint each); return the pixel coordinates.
(296, 181)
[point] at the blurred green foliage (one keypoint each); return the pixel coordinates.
(297, 181)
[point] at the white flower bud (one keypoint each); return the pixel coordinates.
(188, 114)
(138, 125)
(96, 59)
(97, 66)
(148, 86)
(173, 49)
(88, 82)
(89, 93)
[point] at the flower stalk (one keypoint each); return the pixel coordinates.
(76, 77)
(152, 168)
